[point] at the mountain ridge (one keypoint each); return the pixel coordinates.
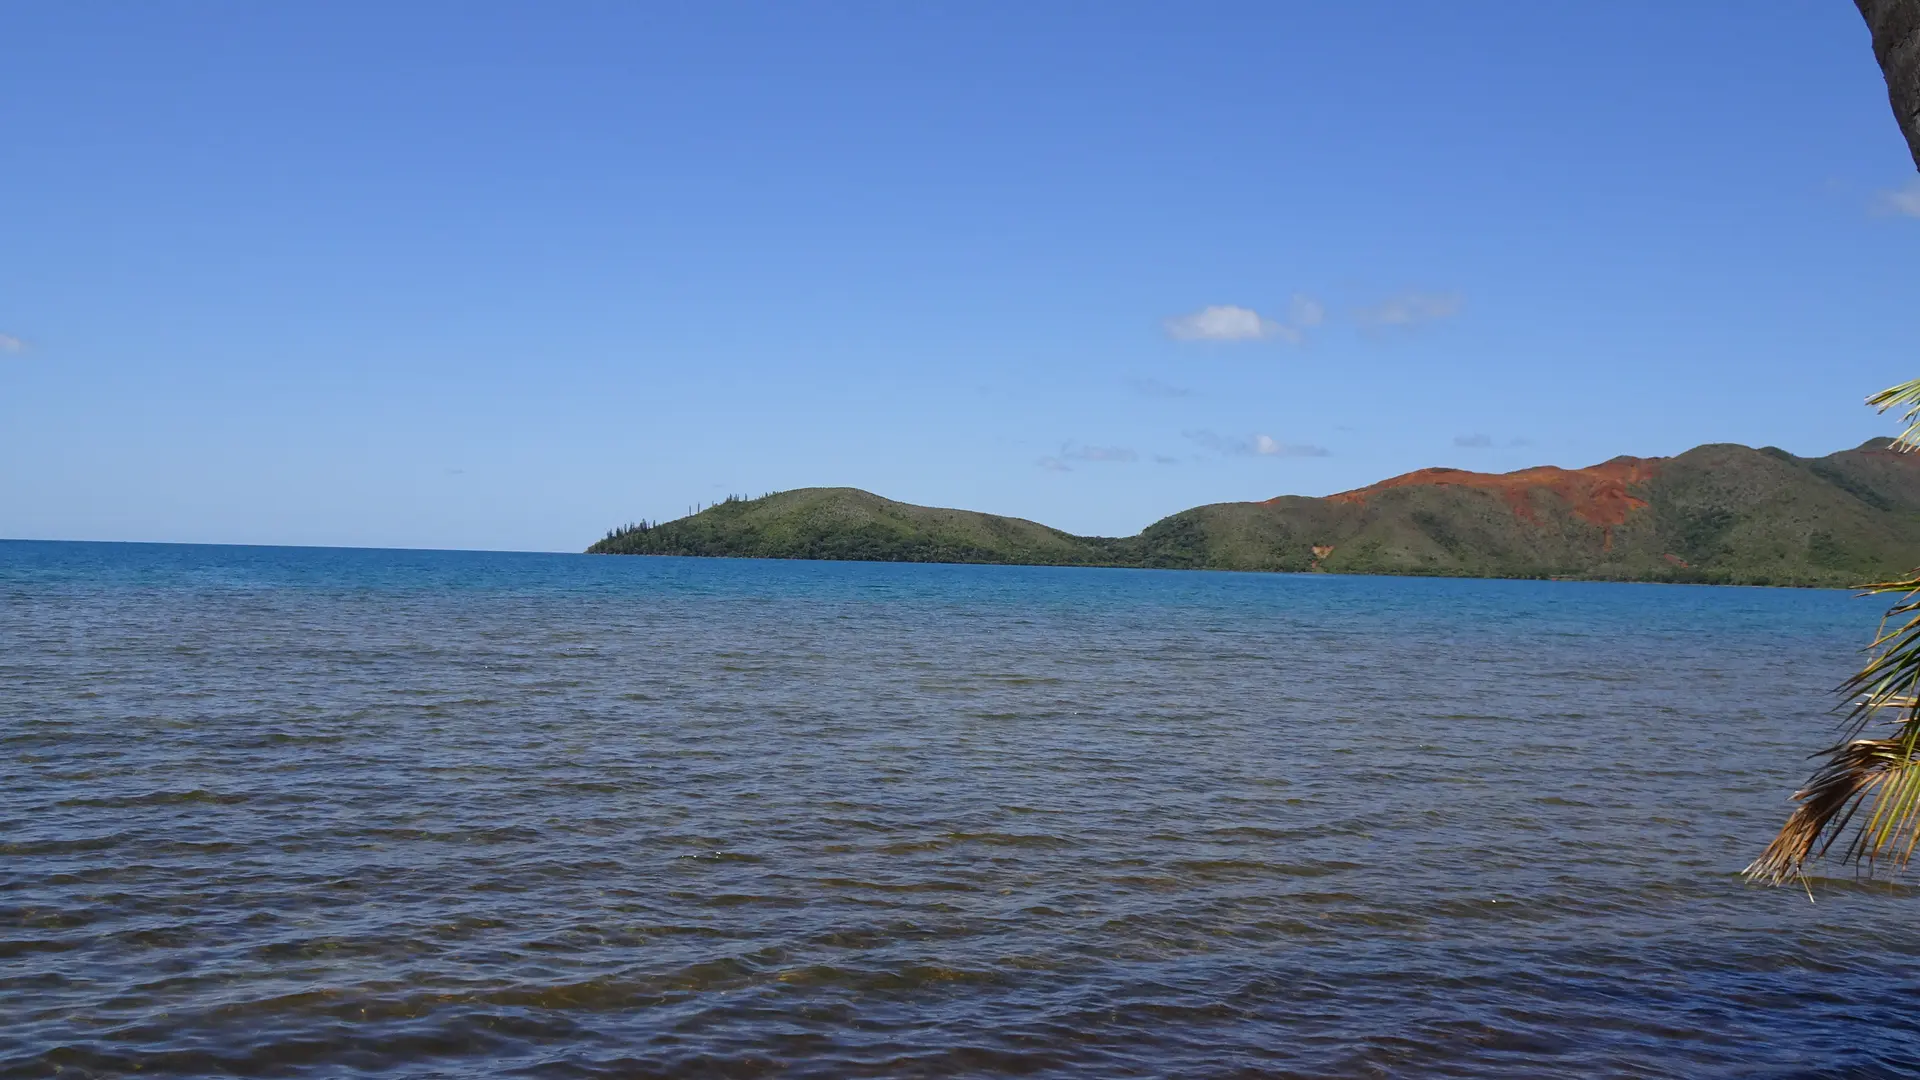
(1720, 513)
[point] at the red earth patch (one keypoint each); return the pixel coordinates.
(1597, 494)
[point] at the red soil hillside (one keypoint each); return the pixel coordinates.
(1597, 495)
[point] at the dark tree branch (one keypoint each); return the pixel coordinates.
(1896, 44)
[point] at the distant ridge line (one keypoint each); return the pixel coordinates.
(1718, 514)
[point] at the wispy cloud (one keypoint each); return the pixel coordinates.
(1231, 322)
(1098, 453)
(1216, 442)
(1254, 445)
(1072, 452)
(1163, 459)
(1410, 309)
(9, 343)
(1268, 446)
(1304, 311)
(1900, 202)
(1478, 441)
(1156, 388)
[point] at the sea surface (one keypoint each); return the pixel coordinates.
(311, 812)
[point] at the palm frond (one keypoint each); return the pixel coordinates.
(1880, 775)
(1891, 679)
(1906, 394)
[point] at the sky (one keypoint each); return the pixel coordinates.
(505, 275)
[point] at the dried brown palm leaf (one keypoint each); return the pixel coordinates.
(1880, 775)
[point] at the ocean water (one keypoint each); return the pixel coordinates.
(303, 812)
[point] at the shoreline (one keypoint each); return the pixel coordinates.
(1232, 570)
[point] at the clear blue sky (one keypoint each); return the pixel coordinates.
(504, 275)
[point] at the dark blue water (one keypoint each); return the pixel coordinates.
(340, 813)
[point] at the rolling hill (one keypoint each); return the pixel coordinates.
(1721, 513)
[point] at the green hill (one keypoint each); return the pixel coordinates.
(1719, 513)
(847, 523)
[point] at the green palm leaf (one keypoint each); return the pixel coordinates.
(1907, 394)
(1878, 775)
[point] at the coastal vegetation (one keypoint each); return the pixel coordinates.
(1875, 781)
(1880, 776)
(1718, 514)
(1877, 776)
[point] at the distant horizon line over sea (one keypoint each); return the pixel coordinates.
(328, 811)
(293, 547)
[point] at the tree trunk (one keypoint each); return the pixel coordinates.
(1896, 44)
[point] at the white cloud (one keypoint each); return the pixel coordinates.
(1903, 202)
(1254, 446)
(9, 343)
(1410, 309)
(1054, 464)
(1230, 322)
(1227, 322)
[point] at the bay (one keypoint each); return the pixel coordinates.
(279, 811)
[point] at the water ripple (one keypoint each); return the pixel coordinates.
(280, 812)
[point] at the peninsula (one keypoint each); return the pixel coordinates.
(1718, 514)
